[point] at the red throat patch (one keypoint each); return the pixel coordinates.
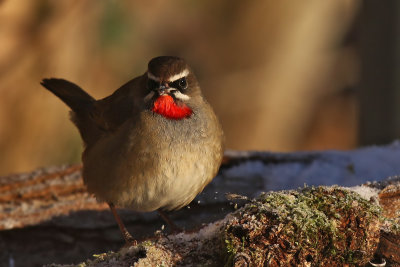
(166, 106)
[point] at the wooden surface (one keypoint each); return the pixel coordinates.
(47, 216)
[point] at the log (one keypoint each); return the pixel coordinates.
(314, 226)
(47, 215)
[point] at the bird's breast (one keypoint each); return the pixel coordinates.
(155, 162)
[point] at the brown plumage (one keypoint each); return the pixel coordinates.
(139, 157)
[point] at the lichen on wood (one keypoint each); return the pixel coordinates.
(321, 226)
(312, 227)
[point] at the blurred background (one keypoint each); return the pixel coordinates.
(281, 75)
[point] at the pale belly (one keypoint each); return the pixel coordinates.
(150, 165)
(175, 185)
(149, 181)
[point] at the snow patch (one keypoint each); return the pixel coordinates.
(366, 192)
(280, 171)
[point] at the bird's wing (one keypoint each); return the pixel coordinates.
(111, 112)
(95, 119)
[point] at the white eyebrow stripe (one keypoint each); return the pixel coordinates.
(175, 77)
(151, 76)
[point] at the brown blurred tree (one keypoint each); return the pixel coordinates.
(265, 66)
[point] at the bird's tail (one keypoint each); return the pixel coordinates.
(71, 94)
(81, 103)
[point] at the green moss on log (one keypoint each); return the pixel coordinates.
(314, 226)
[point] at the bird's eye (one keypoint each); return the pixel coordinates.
(180, 84)
(152, 84)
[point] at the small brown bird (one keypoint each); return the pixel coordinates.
(154, 144)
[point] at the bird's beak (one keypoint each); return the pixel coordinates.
(162, 90)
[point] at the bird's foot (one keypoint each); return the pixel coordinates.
(129, 240)
(174, 228)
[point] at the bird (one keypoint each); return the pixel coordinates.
(152, 145)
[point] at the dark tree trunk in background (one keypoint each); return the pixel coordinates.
(380, 72)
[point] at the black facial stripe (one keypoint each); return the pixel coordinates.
(180, 84)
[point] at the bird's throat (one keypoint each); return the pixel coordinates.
(166, 106)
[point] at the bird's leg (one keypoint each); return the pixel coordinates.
(127, 236)
(171, 224)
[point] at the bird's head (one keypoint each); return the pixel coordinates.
(171, 87)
